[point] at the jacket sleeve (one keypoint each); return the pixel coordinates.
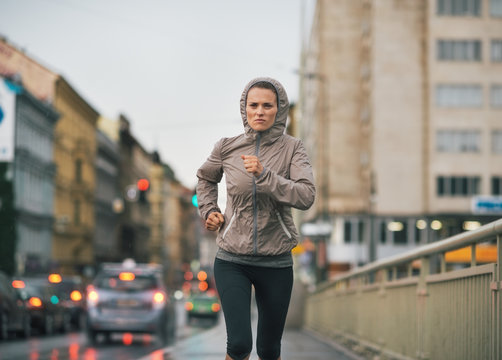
(299, 190)
(209, 175)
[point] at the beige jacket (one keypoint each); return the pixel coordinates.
(258, 218)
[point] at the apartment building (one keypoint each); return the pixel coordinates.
(135, 165)
(401, 112)
(27, 172)
(108, 199)
(74, 156)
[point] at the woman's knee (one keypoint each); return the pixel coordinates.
(239, 350)
(227, 357)
(269, 353)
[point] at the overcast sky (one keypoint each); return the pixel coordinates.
(175, 68)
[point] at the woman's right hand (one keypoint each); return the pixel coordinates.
(214, 221)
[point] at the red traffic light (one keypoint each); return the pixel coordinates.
(143, 184)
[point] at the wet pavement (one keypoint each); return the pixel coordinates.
(297, 344)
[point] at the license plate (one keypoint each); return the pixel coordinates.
(127, 303)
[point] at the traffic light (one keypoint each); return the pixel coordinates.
(194, 199)
(143, 185)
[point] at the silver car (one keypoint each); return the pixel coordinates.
(130, 297)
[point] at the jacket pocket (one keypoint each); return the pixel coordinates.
(283, 225)
(229, 225)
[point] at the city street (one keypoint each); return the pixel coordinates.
(74, 345)
(201, 180)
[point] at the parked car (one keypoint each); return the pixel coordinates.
(203, 305)
(130, 297)
(71, 292)
(47, 313)
(14, 315)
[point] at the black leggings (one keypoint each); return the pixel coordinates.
(272, 292)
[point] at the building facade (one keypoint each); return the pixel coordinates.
(135, 219)
(31, 170)
(93, 205)
(108, 202)
(180, 236)
(74, 155)
(400, 110)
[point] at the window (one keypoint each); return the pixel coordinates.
(459, 50)
(459, 96)
(383, 232)
(401, 233)
(496, 96)
(78, 170)
(441, 188)
(347, 227)
(496, 185)
(496, 50)
(353, 231)
(459, 7)
(457, 185)
(496, 7)
(360, 231)
(497, 141)
(458, 141)
(420, 230)
(76, 212)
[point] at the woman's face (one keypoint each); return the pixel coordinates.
(261, 108)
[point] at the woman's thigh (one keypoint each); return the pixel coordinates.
(234, 289)
(273, 288)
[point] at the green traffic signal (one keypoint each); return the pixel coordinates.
(194, 200)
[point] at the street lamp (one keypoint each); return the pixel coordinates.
(118, 205)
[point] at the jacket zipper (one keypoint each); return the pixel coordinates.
(255, 209)
(282, 224)
(229, 225)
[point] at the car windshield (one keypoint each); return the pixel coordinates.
(139, 283)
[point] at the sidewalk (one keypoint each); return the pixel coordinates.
(210, 345)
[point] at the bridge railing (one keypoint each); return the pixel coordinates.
(415, 305)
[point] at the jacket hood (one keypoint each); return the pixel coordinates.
(279, 125)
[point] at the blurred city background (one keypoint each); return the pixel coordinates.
(399, 104)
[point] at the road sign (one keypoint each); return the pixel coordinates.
(487, 204)
(132, 193)
(316, 229)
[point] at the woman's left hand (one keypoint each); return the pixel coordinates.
(214, 221)
(252, 164)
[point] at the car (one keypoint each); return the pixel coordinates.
(203, 305)
(47, 313)
(14, 315)
(129, 297)
(71, 292)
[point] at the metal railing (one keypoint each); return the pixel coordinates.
(414, 306)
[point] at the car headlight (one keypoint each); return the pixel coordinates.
(92, 298)
(159, 300)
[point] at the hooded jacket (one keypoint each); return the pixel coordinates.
(258, 219)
